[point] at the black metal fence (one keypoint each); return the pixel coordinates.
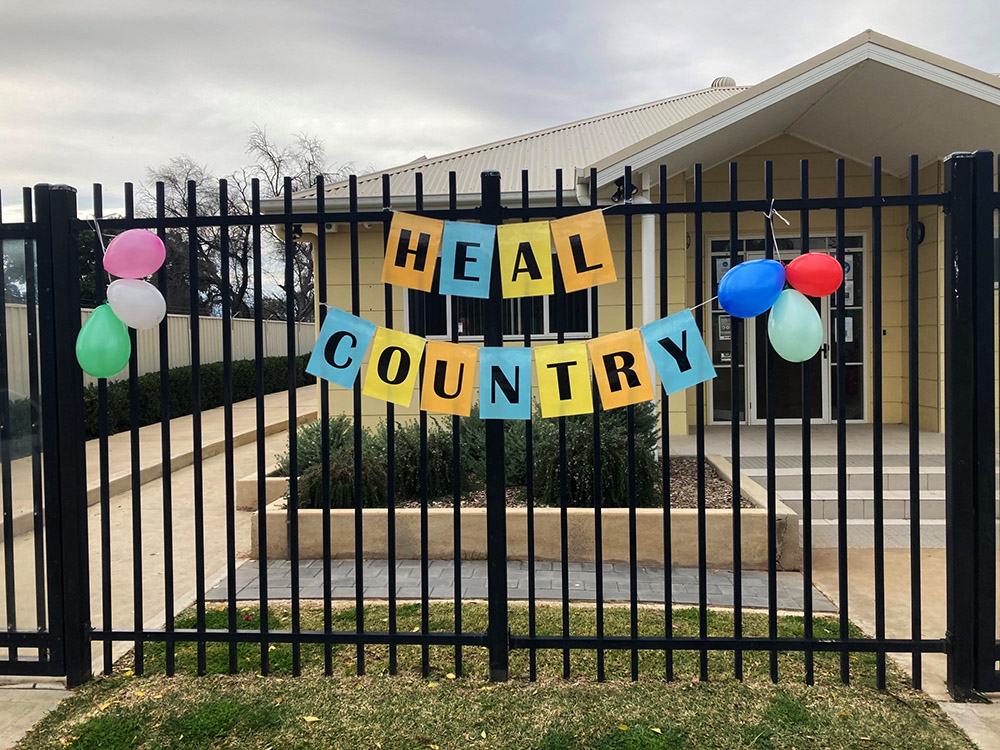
(57, 569)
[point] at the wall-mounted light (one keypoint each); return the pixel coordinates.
(620, 191)
(296, 232)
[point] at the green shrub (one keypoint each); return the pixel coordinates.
(472, 455)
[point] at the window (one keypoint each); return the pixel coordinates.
(542, 312)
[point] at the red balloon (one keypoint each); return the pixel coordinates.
(815, 274)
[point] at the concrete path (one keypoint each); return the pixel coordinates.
(548, 583)
(31, 705)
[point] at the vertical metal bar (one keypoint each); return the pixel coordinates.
(845, 674)
(807, 372)
(38, 520)
(258, 348)
(293, 438)
(425, 663)
(324, 427)
(598, 509)
(167, 484)
(735, 356)
(772, 535)
(560, 320)
(877, 447)
(456, 463)
(6, 485)
(390, 447)
(136, 477)
(104, 459)
(194, 307)
(668, 608)
(496, 495)
(699, 295)
(913, 323)
(970, 441)
(227, 419)
(65, 469)
(633, 561)
(529, 468)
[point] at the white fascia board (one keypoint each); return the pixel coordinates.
(867, 51)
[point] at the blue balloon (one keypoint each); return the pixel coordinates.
(750, 288)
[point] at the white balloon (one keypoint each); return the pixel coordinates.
(138, 304)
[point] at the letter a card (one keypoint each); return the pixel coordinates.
(526, 259)
(678, 351)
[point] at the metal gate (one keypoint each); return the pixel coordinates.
(61, 642)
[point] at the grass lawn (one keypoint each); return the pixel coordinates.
(451, 711)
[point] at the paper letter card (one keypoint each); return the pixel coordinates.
(449, 377)
(504, 382)
(393, 366)
(525, 259)
(620, 369)
(467, 259)
(411, 251)
(564, 380)
(678, 351)
(584, 251)
(342, 343)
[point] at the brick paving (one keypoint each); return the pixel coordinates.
(650, 584)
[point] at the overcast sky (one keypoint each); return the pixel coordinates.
(100, 91)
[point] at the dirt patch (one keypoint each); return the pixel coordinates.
(683, 490)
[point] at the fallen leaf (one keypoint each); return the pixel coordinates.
(623, 727)
(157, 696)
(310, 719)
(844, 713)
(656, 729)
(433, 747)
(432, 684)
(129, 673)
(277, 701)
(417, 630)
(105, 704)
(483, 734)
(139, 693)
(450, 675)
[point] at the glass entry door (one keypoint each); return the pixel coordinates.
(787, 376)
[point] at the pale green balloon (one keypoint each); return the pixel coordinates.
(103, 346)
(794, 327)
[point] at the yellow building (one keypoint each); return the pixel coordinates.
(871, 96)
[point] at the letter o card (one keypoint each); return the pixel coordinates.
(620, 369)
(340, 347)
(526, 259)
(564, 380)
(411, 251)
(584, 251)
(449, 377)
(393, 366)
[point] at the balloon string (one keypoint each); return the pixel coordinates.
(100, 236)
(770, 214)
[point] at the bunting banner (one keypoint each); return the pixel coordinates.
(449, 378)
(342, 343)
(411, 251)
(584, 251)
(525, 259)
(504, 382)
(393, 365)
(564, 380)
(467, 259)
(678, 351)
(620, 369)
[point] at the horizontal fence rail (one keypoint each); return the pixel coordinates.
(426, 461)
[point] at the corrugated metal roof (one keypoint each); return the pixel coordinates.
(569, 146)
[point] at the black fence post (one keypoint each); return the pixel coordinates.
(969, 430)
(496, 489)
(65, 469)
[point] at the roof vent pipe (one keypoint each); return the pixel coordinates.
(723, 82)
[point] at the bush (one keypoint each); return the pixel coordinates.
(472, 453)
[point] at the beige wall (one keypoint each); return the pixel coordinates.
(785, 152)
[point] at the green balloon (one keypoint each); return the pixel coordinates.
(103, 346)
(794, 327)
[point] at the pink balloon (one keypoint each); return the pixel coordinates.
(134, 254)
